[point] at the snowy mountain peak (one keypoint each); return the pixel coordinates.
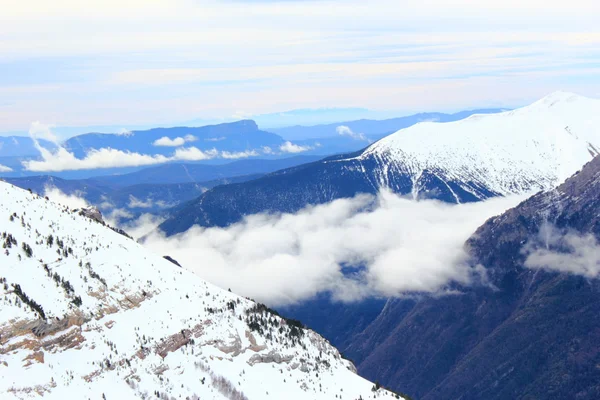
(86, 312)
(560, 97)
(531, 148)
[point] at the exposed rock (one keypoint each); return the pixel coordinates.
(92, 213)
(271, 357)
(173, 342)
(169, 258)
(233, 349)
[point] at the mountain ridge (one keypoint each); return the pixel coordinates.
(532, 148)
(87, 311)
(526, 331)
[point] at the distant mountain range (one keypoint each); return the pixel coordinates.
(374, 129)
(531, 148)
(212, 144)
(233, 137)
(156, 190)
(21, 146)
(186, 173)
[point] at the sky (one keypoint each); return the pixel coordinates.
(147, 62)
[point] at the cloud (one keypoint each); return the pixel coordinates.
(569, 252)
(141, 226)
(237, 155)
(4, 168)
(382, 245)
(178, 141)
(116, 217)
(165, 141)
(39, 130)
(134, 202)
(194, 154)
(63, 160)
(123, 132)
(72, 201)
(215, 139)
(343, 130)
(289, 147)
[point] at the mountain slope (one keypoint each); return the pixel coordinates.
(19, 146)
(184, 173)
(88, 312)
(527, 333)
(532, 148)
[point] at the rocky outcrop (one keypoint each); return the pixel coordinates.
(271, 357)
(92, 213)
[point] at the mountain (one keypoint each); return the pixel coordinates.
(132, 201)
(88, 312)
(373, 129)
(531, 148)
(529, 330)
(234, 137)
(186, 173)
(20, 146)
(156, 190)
(304, 116)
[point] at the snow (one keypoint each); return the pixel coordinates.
(145, 327)
(532, 148)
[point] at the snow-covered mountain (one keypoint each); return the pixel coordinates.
(534, 147)
(531, 148)
(86, 312)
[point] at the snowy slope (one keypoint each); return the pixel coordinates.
(120, 322)
(534, 147)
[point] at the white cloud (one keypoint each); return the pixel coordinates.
(194, 154)
(564, 252)
(343, 130)
(123, 132)
(239, 154)
(63, 160)
(72, 201)
(134, 202)
(176, 142)
(165, 141)
(4, 168)
(289, 147)
(141, 226)
(395, 246)
(116, 217)
(39, 130)
(215, 139)
(267, 150)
